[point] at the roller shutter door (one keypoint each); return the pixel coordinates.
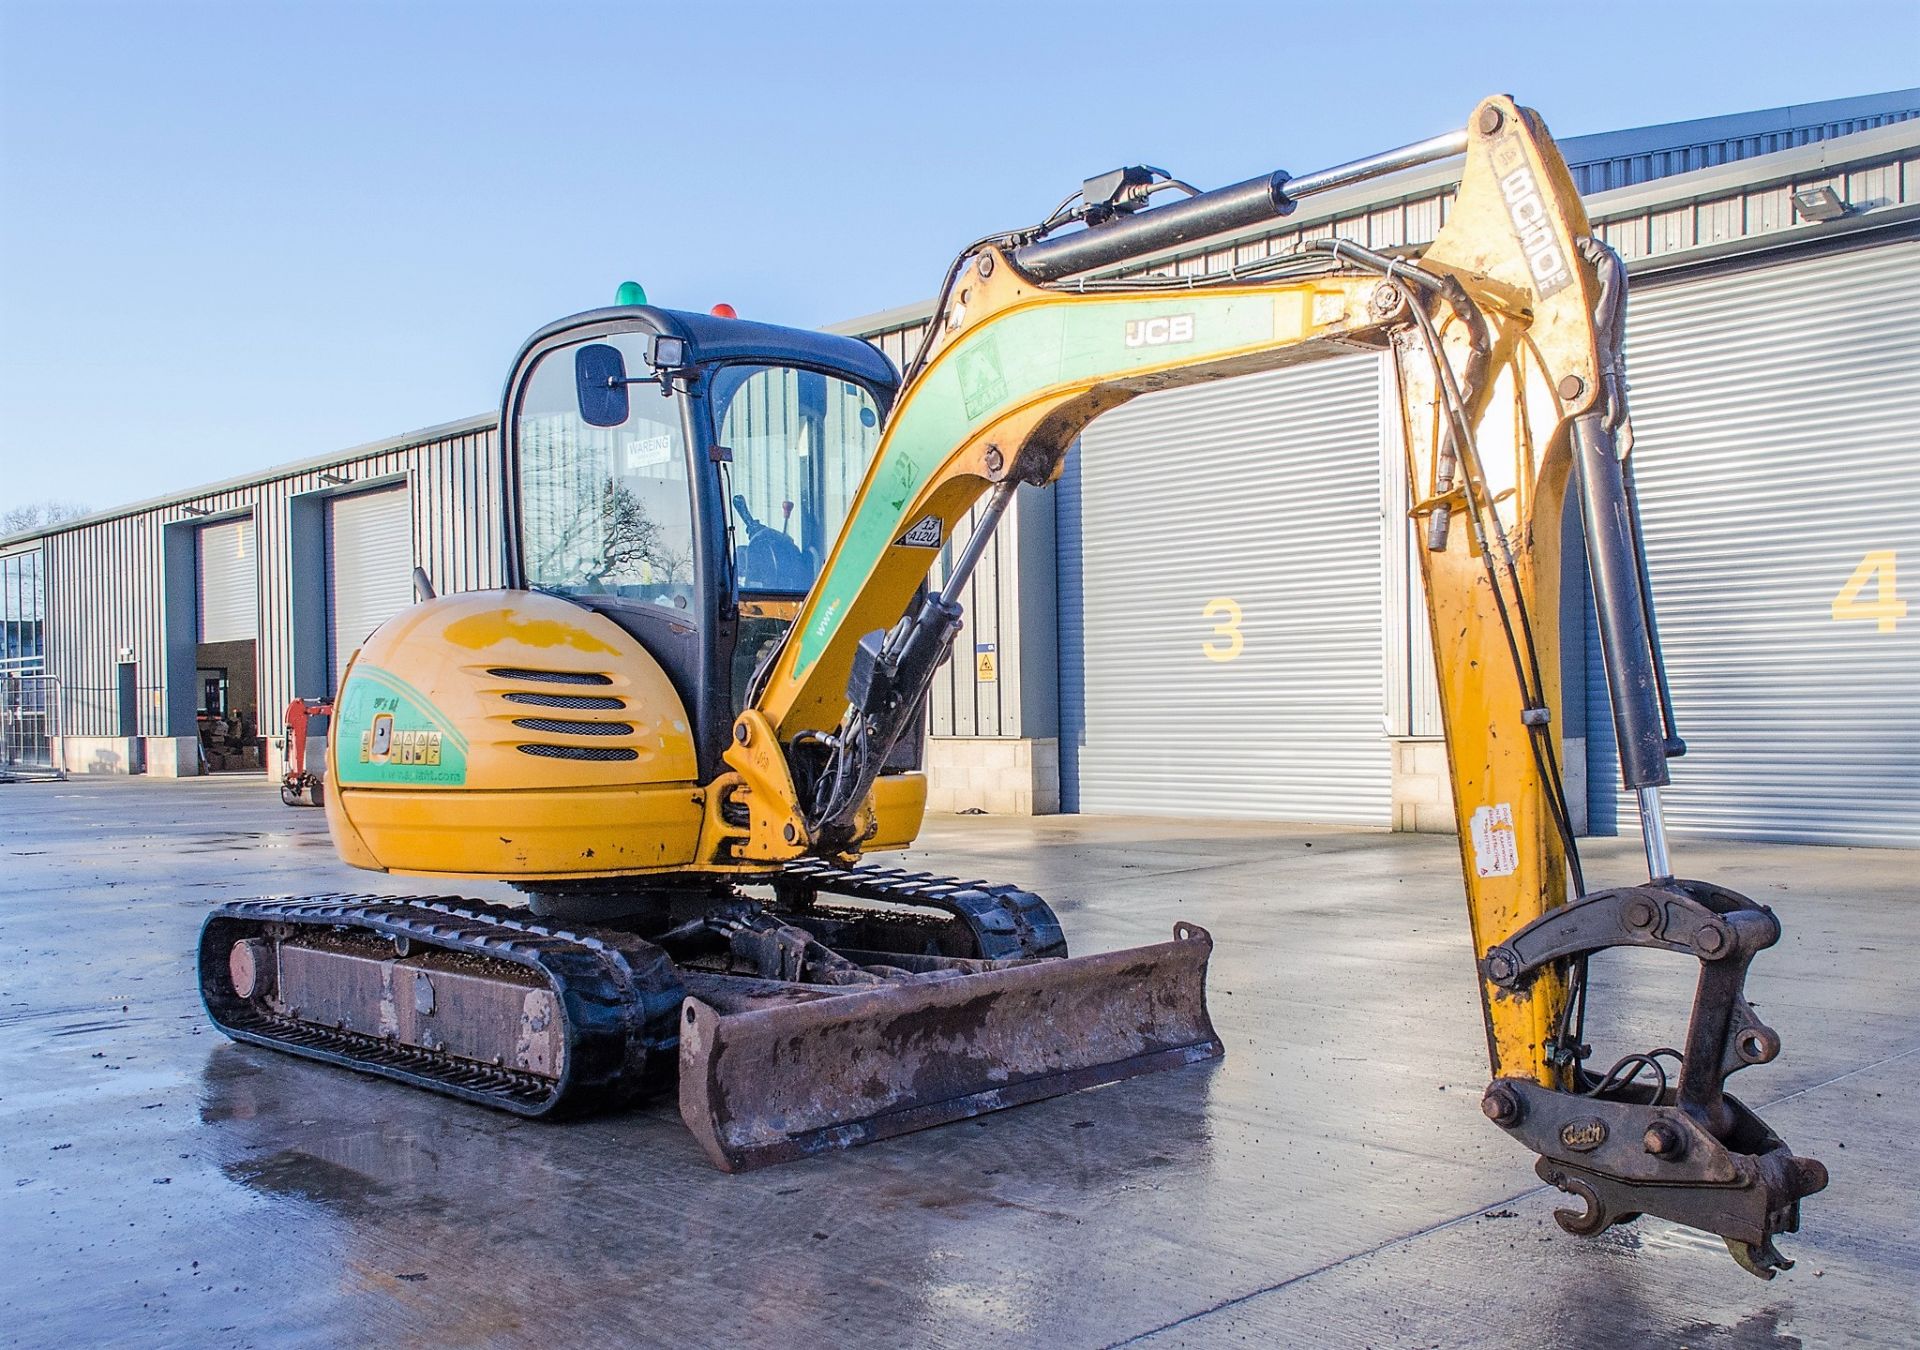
(369, 568)
(1221, 614)
(1777, 414)
(227, 582)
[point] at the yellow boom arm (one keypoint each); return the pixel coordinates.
(1016, 370)
(1504, 335)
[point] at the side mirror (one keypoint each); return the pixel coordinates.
(600, 385)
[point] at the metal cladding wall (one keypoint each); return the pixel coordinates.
(1222, 624)
(1777, 423)
(108, 581)
(228, 581)
(369, 569)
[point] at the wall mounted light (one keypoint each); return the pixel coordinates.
(333, 479)
(1819, 204)
(195, 511)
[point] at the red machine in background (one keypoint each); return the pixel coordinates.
(303, 758)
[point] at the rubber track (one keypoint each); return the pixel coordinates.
(1007, 922)
(619, 995)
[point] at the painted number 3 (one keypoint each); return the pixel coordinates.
(1226, 642)
(1886, 607)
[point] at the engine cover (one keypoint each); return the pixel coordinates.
(511, 734)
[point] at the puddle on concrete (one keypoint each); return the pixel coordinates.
(296, 1174)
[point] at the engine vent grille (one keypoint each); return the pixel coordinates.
(561, 726)
(549, 676)
(596, 752)
(576, 702)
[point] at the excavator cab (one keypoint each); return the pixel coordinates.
(685, 475)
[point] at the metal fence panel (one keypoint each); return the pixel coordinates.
(29, 721)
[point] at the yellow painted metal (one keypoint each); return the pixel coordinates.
(776, 831)
(897, 805)
(1509, 243)
(447, 669)
(519, 834)
(1029, 440)
(1515, 191)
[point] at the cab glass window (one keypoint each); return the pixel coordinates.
(604, 511)
(800, 443)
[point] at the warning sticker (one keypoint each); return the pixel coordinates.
(1495, 851)
(984, 668)
(926, 534)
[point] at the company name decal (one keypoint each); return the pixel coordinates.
(1159, 332)
(386, 732)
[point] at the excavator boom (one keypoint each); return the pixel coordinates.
(1505, 334)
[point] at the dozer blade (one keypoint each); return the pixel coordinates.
(770, 1084)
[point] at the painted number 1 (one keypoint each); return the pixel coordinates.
(1886, 608)
(1226, 642)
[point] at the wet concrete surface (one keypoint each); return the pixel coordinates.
(1331, 1183)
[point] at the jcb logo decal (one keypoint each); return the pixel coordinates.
(1529, 216)
(1160, 332)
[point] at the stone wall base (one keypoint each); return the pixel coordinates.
(1001, 775)
(173, 756)
(98, 754)
(1423, 797)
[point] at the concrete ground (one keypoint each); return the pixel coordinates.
(1331, 1183)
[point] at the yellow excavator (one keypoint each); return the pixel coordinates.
(700, 701)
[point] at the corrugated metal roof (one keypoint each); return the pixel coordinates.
(466, 426)
(1616, 159)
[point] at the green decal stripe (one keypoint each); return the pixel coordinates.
(355, 714)
(441, 722)
(991, 371)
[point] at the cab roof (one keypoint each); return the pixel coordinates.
(712, 338)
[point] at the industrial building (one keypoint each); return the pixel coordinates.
(1251, 633)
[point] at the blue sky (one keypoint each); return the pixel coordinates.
(233, 235)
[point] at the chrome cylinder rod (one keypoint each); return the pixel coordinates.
(1374, 166)
(1653, 833)
(982, 536)
(1239, 206)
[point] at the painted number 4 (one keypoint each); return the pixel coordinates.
(1886, 608)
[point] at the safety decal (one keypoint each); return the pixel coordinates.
(1496, 853)
(985, 668)
(926, 534)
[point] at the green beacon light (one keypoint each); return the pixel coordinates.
(630, 293)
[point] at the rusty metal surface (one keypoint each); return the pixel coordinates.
(774, 1084)
(474, 1000)
(484, 1017)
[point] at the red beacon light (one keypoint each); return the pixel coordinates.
(724, 311)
